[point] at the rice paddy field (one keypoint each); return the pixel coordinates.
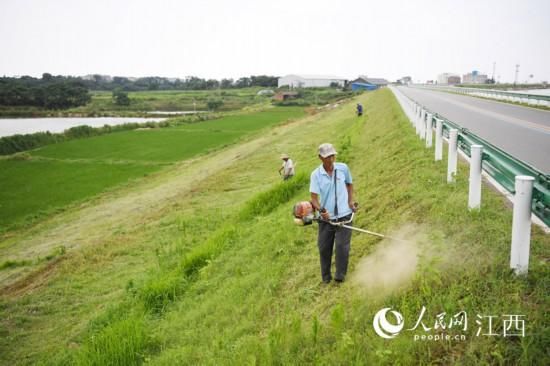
(199, 262)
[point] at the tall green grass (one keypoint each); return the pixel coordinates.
(267, 201)
(103, 346)
(121, 343)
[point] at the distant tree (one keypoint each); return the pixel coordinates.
(47, 77)
(227, 83)
(264, 80)
(120, 97)
(334, 85)
(243, 82)
(195, 83)
(212, 84)
(214, 104)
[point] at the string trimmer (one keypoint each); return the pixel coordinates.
(304, 215)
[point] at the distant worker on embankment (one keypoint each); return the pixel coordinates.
(359, 109)
(287, 168)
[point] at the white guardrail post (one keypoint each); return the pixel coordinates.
(429, 130)
(416, 118)
(452, 158)
(474, 194)
(423, 125)
(438, 139)
(521, 224)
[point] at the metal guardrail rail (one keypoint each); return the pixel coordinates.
(501, 166)
(529, 99)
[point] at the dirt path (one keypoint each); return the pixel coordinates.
(123, 209)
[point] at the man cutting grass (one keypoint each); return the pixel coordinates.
(331, 191)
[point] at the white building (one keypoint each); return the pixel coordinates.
(310, 81)
(448, 78)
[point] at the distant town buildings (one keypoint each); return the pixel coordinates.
(315, 81)
(474, 77)
(448, 79)
(310, 81)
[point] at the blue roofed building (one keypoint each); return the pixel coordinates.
(365, 83)
(356, 85)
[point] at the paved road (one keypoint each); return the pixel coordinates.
(520, 131)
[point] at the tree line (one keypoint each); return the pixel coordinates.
(50, 92)
(100, 82)
(61, 92)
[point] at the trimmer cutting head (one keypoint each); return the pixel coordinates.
(303, 213)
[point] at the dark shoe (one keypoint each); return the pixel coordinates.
(339, 280)
(326, 282)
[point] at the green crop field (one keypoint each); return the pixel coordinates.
(58, 174)
(201, 264)
(102, 103)
(30, 187)
(179, 100)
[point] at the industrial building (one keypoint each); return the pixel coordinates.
(474, 77)
(448, 79)
(375, 81)
(358, 85)
(366, 83)
(310, 81)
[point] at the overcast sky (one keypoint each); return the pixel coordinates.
(234, 38)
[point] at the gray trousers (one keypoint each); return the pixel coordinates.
(329, 236)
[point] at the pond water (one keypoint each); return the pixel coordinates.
(13, 126)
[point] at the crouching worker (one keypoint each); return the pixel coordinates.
(287, 168)
(332, 195)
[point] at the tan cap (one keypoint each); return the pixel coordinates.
(326, 149)
(284, 156)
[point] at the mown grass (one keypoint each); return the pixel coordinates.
(32, 186)
(252, 292)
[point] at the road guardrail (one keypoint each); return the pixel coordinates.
(530, 187)
(508, 96)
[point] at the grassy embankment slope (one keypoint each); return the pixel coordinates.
(53, 176)
(206, 280)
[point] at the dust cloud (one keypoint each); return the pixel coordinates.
(392, 263)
